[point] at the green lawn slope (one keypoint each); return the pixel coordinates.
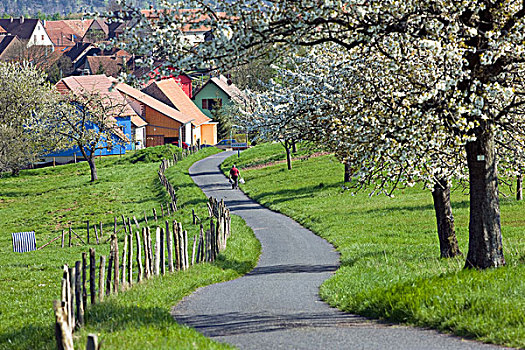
(390, 265)
(48, 200)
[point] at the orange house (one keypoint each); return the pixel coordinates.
(165, 124)
(203, 130)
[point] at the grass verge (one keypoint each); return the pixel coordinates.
(47, 200)
(390, 265)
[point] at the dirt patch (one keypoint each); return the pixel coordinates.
(264, 165)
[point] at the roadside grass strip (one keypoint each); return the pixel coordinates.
(390, 265)
(48, 200)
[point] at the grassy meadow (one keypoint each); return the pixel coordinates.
(390, 265)
(50, 199)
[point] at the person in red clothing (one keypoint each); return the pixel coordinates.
(234, 177)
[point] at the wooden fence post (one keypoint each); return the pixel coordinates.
(96, 234)
(130, 258)
(145, 217)
(124, 224)
(136, 222)
(139, 257)
(66, 297)
(116, 266)
(92, 342)
(162, 210)
(71, 306)
(63, 333)
(150, 253)
(162, 252)
(101, 273)
(101, 231)
(185, 239)
(70, 235)
(110, 269)
(92, 276)
(78, 296)
(176, 242)
(193, 250)
(168, 209)
(169, 246)
(87, 226)
(146, 257)
(155, 214)
(63, 234)
(157, 251)
(124, 262)
(200, 247)
(84, 279)
(193, 217)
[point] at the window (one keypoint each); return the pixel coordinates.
(42, 38)
(211, 103)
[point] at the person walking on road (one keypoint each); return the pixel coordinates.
(234, 177)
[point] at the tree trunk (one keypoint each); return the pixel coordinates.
(294, 147)
(288, 156)
(485, 244)
(448, 243)
(347, 172)
(519, 187)
(92, 168)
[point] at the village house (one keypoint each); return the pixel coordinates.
(216, 93)
(166, 125)
(62, 34)
(131, 127)
(169, 91)
(28, 30)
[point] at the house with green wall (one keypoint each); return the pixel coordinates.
(216, 93)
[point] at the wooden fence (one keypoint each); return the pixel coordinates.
(145, 253)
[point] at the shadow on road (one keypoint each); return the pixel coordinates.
(267, 270)
(233, 323)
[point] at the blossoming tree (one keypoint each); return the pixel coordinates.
(462, 61)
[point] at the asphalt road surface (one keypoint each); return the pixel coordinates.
(277, 306)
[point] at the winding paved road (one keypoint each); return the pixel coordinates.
(276, 306)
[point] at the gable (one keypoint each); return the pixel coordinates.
(21, 27)
(170, 90)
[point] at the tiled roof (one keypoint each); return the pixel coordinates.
(181, 101)
(80, 26)
(101, 24)
(229, 88)
(2, 31)
(5, 42)
(78, 50)
(153, 103)
(61, 34)
(108, 65)
(105, 86)
(138, 121)
(23, 28)
(101, 84)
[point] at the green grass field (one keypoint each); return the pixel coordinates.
(390, 265)
(48, 200)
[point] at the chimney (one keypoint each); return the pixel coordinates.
(21, 19)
